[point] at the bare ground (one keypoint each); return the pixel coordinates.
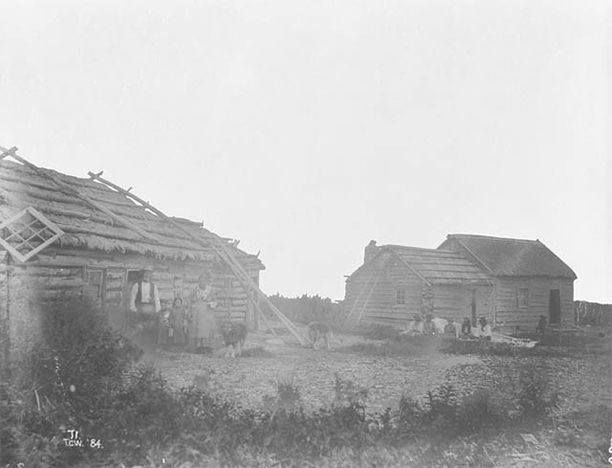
(581, 381)
(581, 429)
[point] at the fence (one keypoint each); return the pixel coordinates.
(592, 313)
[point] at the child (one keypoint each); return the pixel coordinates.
(164, 330)
(466, 327)
(485, 329)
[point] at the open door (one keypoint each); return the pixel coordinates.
(554, 307)
(473, 310)
(133, 276)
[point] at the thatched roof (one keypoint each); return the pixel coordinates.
(513, 257)
(84, 226)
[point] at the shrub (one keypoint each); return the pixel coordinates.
(535, 396)
(78, 356)
(287, 396)
(442, 407)
(347, 392)
(477, 411)
(410, 414)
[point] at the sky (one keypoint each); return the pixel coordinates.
(305, 129)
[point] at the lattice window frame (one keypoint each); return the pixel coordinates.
(49, 225)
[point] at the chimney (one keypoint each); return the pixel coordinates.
(370, 251)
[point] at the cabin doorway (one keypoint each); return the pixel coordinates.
(554, 307)
(473, 308)
(132, 276)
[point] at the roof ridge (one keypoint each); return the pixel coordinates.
(393, 246)
(483, 236)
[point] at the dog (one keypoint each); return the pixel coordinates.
(318, 331)
(439, 324)
(234, 335)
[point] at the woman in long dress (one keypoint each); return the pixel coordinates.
(201, 306)
(178, 322)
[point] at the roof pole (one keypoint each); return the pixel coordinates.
(220, 249)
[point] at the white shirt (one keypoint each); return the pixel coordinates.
(145, 289)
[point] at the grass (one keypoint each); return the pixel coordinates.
(393, 344)
(257, 352)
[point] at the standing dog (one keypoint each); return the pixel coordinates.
(318, 331)
(234, 335)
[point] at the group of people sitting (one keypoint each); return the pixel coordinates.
(482, 329)
(187, 323)
(429, 325)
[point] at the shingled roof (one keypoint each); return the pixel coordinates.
(438, 266)
(85, 226)
(513, 257)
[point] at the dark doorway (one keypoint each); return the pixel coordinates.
(133, 276)
(554, 307)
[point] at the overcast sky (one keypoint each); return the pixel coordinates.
(305, 129)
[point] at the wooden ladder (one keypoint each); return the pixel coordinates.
(353, 319)
(222, 251)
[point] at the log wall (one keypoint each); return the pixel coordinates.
(372, 293)
(455, 301)
(103, 277)
(509, 316)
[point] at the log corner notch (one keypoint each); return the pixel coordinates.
(221, 250)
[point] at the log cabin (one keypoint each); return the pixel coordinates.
(62, 235)
(511, 282)
(396, 283)
(530, 280)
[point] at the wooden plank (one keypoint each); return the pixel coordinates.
(7, 152)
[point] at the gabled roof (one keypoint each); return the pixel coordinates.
(85, 226)
(513, 257)
(432, 265)
(439, 266)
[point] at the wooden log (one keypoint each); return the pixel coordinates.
(7, 152)
(223, 251)
(86, 199)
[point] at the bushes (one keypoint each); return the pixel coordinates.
(146, 421)
(85, 380)
(445, 415)
(306, 309)
(535, 396)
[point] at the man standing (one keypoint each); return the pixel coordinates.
(144, 297)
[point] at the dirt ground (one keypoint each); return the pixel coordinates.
(582, 423)
(582, 381)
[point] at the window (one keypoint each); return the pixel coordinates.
(94, 286)
(27, 233)
(522, 298)
(400, 296)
